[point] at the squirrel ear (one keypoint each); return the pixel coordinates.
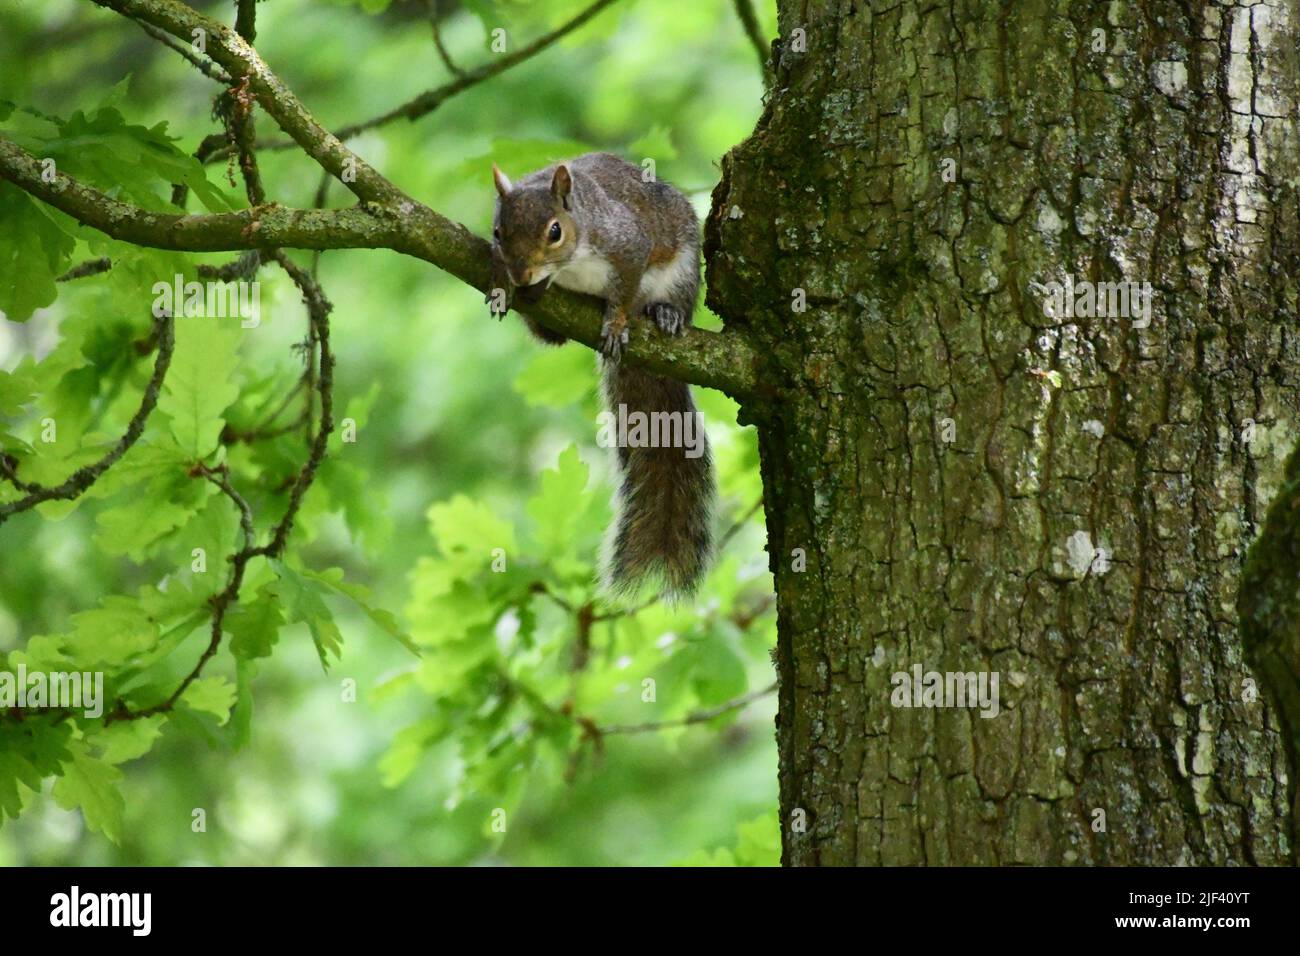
(562, 185)
(501, 180)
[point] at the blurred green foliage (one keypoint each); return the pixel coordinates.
(455, 696)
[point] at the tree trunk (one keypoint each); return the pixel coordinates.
(977, 486)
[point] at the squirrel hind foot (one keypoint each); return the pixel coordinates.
(667, 316)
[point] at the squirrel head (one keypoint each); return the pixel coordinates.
(534, 228)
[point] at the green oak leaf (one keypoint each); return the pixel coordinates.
(468, 532)
(210, 695)
(34, 250)
(200, 384)
(128, 739)
(303, 601)
(255, 625)
(90, 784)
(566, 516)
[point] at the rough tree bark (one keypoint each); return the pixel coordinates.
(1146, 141)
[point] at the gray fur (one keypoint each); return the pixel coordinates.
(636, 245)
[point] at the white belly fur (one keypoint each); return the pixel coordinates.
(658, 282)
(590, 272)
(586, 272)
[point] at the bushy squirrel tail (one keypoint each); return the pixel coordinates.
(663, 528)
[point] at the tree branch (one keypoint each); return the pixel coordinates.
(241, 61)
(398, 221)
(724, 361)
(268, 226)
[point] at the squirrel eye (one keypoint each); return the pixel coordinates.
(555, 233)
(496, 233)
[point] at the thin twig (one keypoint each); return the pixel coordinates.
(539, 587)
(435, 23)
(91, 267)
(430, 100)
(695, 717)
(246, 19)
(236, 108)
(749, 20)
(220, 602)
(738, 524)
(87, 475)
(239, 125)
(268, 428)
(744, 618)
(318, 202)
(206, 67)
(242, 269)
(318, 310)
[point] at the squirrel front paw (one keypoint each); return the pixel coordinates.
(613, 334)
(668, 317)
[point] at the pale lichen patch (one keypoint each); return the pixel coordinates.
(1169, 76)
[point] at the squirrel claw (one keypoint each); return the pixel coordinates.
(613, 336)
(667, 317)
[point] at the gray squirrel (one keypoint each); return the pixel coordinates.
(594, 224)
